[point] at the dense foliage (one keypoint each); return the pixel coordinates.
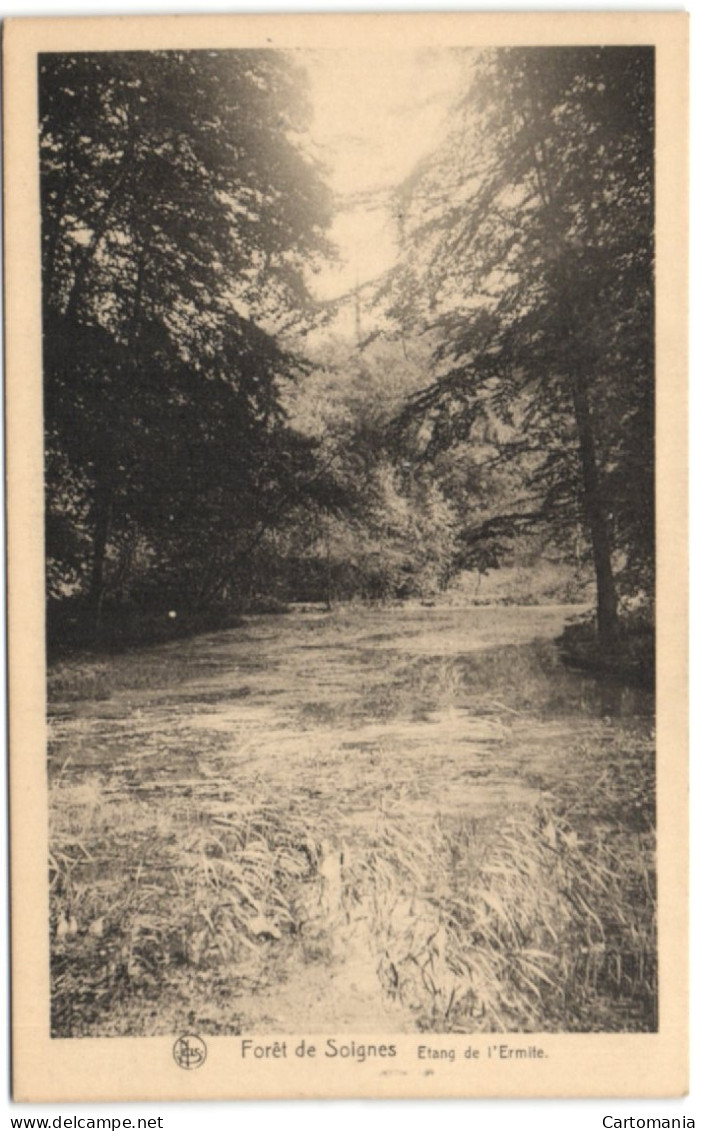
(528, 255)
(202, 451)
(178, 214)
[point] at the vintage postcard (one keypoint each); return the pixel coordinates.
(346, 427)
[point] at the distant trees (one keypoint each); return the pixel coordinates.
(527, 256)
(178, 212)
(393, 530)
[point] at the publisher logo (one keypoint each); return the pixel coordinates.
(189, 1051)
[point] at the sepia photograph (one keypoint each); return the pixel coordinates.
(347, 514)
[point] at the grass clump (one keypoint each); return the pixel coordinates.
(189, 893)
(531, 929)
(73, 679)
(631, 658)
(543, 919)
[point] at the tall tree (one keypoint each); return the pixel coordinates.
(528, 253)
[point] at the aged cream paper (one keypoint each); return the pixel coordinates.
(192, 1064)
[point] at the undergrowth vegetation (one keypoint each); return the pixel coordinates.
(471, 833)
(98, 677)
(534, 932)
(544, 920)
(189, 889)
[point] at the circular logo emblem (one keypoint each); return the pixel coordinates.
(189, 1051)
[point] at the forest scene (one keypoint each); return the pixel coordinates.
(348, 363)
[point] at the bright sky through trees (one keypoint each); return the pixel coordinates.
(376, 113)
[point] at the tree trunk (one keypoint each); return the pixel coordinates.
(329, 605)
(594, 511)
(104, 517)
(607, 600)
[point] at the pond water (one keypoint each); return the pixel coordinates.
(406, 720)
(482, 688)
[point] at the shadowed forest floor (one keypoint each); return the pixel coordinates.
(370, 820)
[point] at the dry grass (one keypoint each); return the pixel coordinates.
(527, 926)
(186, 882)
(96, 678)
(533, 933)
(197, 885)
